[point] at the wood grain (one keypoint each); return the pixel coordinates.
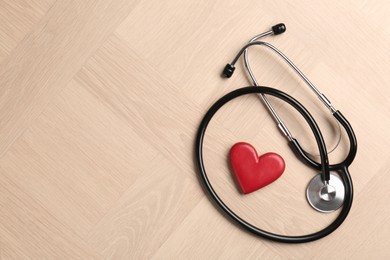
(99, 107)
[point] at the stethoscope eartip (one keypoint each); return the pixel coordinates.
(228, 70)
(279, 28)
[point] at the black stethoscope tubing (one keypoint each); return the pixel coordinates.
(342, 167)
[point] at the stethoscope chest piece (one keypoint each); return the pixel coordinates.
(325, 197)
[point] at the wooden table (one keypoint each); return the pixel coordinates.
(100, 101)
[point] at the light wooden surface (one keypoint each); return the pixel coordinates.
(100, 101)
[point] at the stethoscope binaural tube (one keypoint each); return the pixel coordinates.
(325, 170)
(323, 155)
(294, 144)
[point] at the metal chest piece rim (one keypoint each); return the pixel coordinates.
(325, 197)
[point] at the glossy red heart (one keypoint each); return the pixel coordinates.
(251, 171)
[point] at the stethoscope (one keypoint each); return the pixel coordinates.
(327, 191)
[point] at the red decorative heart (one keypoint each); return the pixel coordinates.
(251, 171)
